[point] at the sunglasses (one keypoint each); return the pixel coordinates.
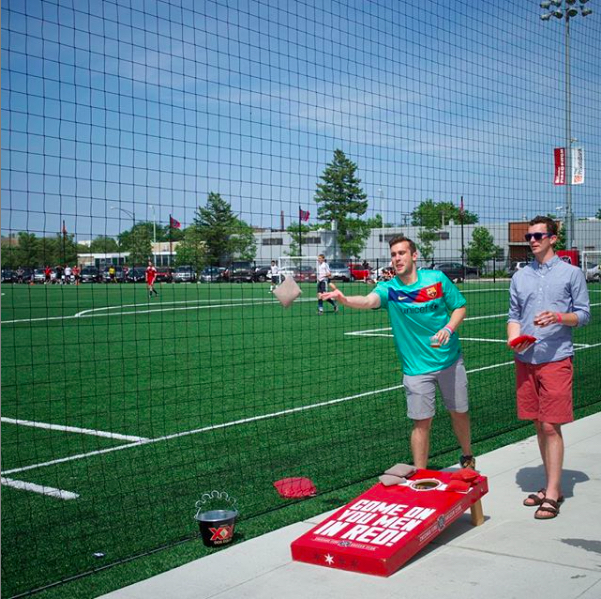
(536, 236)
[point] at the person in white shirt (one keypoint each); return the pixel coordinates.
(323, 277)
(67, 274)
(275, 276)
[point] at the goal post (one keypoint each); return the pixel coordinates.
(590, 263)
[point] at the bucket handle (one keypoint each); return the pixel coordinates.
(215, 495)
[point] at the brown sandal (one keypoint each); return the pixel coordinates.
(553, 510)
(534, 500)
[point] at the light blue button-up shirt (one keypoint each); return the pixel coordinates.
(556, 286)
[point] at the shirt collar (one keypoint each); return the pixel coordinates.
(547, 265)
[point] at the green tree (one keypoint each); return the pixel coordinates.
(341, 199)
(103, 245)
(190, 250)
(27, 252)
(561, 237)
(243, 241)
(139, 246)
(598, 215)
(482, 247)
(436, 215)
(9, 254)
(427, 237)
(225, 236)
(163, 233)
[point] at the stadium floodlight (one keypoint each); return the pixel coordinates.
(570, 11)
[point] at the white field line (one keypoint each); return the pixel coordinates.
(94, 314)
(73, 429)
(42, 489)
(380, 332)
(214, 427)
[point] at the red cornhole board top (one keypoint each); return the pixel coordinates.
(383, 528)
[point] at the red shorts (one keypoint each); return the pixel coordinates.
(544, 391)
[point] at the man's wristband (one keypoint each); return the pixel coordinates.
(448, 329)
(559, 317)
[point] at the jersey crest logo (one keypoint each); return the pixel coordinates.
(432, 292)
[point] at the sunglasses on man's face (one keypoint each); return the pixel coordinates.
(536, 236)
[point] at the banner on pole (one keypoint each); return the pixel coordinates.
(577, 166)
(560, 166)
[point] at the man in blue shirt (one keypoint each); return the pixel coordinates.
(547, 298)
(425, 310)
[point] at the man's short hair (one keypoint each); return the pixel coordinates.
(321, 256)
(400, 239)
(547, 221)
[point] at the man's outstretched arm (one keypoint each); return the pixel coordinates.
(360, 302)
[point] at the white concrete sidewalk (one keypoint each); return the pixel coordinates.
(510, 555)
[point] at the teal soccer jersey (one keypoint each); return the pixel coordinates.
(416, 313)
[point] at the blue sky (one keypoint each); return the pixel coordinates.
(148, 106)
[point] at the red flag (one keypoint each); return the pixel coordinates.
(560, 166)
(461, 209)
(303, 214)
(174, 224)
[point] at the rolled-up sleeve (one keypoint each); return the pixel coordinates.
(580, 299)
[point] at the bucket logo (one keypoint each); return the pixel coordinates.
(222, 533)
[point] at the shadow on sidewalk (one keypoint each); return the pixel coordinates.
(532, 479)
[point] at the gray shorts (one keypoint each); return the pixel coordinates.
(421, 391)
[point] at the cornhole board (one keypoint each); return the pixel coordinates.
(383, 528)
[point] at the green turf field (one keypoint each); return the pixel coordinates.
(135, 407)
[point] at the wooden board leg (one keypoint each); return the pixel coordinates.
(477, 513)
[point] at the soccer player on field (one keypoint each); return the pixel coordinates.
(425, 310)
(151, 275)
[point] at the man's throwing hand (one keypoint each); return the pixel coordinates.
(335, 294)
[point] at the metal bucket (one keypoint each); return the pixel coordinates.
(217, 526)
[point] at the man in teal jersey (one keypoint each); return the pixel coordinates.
(425, 309)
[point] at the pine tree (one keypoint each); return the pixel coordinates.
(341, 200)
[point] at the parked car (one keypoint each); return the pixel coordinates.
(240, 272)
(593, 272)
(89, 274)
(359, 272)
(39, 276)
(164, 275)
(455, 271)
(119, 277)
(212, 274)
(184, 274)
(516, 266)
(137, 274)
(262, 273)
(8, 276)
(22, 275)
(340, 271)
(305, 274)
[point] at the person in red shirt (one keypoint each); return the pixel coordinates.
(151, 275)
(47, 275)
(76, 273)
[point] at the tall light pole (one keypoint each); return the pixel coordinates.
(154, 225)
(567, 10)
